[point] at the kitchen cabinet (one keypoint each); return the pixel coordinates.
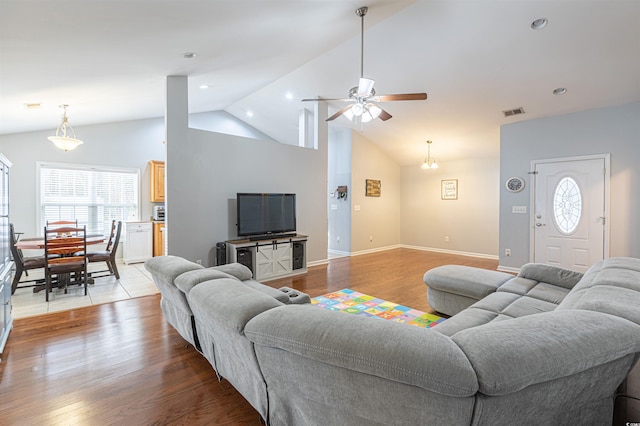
(158, 238)
(157, 181)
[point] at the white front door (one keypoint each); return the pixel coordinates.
(570, 209)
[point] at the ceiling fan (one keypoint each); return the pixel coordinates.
(363, 101)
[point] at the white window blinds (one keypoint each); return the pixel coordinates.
(92, 195)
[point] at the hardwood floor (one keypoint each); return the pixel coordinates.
(121, 363)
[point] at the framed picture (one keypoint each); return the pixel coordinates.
(449, 189)
(373, 188)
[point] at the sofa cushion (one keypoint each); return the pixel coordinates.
(550, 274)
(511, 355)
(611, 286)
(470, 282)
(495, 307)
(535, 289)
(386, 349)
(238, 270)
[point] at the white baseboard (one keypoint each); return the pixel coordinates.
(508, 269)
(459, 253)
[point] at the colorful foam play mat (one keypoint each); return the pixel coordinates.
(356, 303)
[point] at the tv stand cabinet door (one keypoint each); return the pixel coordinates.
(273, 260)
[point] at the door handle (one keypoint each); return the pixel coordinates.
(540, 224)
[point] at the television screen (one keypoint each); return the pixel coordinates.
(263, 214)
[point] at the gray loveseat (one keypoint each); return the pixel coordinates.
(501, 361)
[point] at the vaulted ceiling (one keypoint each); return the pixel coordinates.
(108, 60)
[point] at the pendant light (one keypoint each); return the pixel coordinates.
(61, 140)
(429, 163)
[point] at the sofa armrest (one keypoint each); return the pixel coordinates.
(511, 355)
(393, 351)
(550, 274)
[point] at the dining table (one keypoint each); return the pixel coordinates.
(37, 243)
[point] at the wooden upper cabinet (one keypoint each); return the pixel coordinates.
(157, 181)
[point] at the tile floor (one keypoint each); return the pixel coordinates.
(134, 281)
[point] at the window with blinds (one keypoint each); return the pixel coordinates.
(92, 195)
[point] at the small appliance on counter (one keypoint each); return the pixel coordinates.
(158, 213)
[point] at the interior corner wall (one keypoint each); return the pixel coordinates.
(129, 144)
(375, 221)
(466, 225)
(205, 172)
(613, 130)
(339, 175)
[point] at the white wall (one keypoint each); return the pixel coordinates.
(128, 144)
(378, 217)
(470, 222)
(614, 130)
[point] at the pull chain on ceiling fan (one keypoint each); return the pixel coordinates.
(363, 102)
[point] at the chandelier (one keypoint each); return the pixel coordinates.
(429, 163)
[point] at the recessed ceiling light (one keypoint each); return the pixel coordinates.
(204, 86)
(249, 113)
(189, 55)
(33, 105)
(560, 91)
(289, 95)
(539, 23)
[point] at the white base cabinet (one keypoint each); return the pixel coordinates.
(270, 259)
(138, 244)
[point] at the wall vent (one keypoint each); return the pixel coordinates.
(510, 112)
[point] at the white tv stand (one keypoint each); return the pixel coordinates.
(270, 258)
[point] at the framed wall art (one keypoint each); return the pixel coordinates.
(449, 189)
(373, 188)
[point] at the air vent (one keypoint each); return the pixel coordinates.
(510, 112)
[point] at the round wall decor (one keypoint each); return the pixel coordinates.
(514, 184)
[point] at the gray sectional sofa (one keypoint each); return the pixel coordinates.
(547, 347)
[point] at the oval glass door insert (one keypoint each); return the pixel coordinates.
(567, 205)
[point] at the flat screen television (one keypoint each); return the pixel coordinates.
(265, 214)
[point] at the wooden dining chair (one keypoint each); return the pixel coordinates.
(23, 264)
(108, 255)
(70, 249)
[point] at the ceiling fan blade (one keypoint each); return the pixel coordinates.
(339, 113)
(365, 87)
(401, 97)
(384, 115)
(326, 99)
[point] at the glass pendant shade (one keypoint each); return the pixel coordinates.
(61, 140)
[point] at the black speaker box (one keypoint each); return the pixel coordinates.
(221, 254)
(245, 257)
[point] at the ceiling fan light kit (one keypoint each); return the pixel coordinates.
(61, 140)
(363, 100)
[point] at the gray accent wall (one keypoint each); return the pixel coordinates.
(339, 174)
(205, 170)
(614, 130)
